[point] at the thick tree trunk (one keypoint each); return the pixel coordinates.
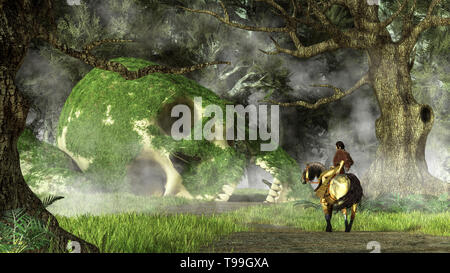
(402, 130)
(14, 192)
(18, 25)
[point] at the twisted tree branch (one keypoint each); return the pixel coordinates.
(338, 94)
(408, 20)
(433, 4)
(91, 46)
(88, 58)
(389, 20)
(226, 20)
(353, 38)
(429, 22)
(327, 25)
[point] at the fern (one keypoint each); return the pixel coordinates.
(47, 201)
(19, 232)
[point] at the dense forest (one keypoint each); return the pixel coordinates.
(165, 34)
(408, 38)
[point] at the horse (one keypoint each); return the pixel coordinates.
(342, 190)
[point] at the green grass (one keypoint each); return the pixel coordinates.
(143, 233)
(249, 191)
(152, 232)
(311, 219)
(415, 202)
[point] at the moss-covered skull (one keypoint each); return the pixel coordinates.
(118, 131)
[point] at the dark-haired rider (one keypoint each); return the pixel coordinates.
(342, 154)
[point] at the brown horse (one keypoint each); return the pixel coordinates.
(342, 190)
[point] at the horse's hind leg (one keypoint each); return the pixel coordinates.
(344, 212)
(352, 217)
(327, 210)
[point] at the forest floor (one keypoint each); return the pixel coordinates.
(266, 238)
(288, 240)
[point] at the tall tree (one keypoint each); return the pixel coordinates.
(20, 22)
(404, 124)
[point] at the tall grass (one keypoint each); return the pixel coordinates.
(414, 202)
(143, 233)
(146, 233)
(131, 224)
(312, 219)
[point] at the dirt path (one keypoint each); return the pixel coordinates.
(280, 239)
(288, 240)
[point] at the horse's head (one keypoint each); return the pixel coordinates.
(312, 170)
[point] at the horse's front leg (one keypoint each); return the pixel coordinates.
(327, 210)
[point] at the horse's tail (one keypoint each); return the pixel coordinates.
(353, 195)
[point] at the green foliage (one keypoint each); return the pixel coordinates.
(20, 232)
(340, 16)
(76, 27)
(283, 166)
(132, 233)
(41, 154)
(41, 163)
(311, 219)
(217, 167)
(49, 200)
(27, 141)
(276, 76)
(113, 146)
(396, 203)
(250, 191)
(79, 27)
(432, 41)
(142, 233)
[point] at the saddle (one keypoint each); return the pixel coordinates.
(334, 186)
(322, 189)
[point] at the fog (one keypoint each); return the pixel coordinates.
(303, 134)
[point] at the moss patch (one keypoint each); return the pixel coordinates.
(103, 95)
(45, 168)
(100, 118)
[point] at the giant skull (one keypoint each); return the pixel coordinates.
(118, 131)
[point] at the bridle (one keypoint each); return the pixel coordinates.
(307, 177)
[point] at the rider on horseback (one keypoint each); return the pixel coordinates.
(342, 154)
(336, 187)
(342, 162)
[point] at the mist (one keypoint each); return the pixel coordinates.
(307, 135)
